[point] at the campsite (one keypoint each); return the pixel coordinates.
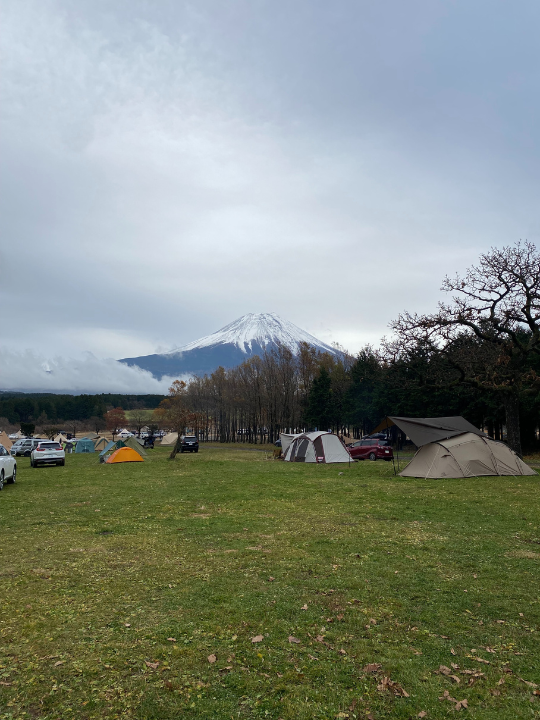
(227, 584)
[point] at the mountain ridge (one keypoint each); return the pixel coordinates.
(245, 337)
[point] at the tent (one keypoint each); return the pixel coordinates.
(100, 443)
(317, 447)
(465, 455)
(134, 444)
(111, 446)
(169, 439)
(91, 435)
(125, 454)
(60, 438)
(286, 440)
(84, 445)
(5, 441)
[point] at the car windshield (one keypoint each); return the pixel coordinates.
(50, 446)
(191, 438)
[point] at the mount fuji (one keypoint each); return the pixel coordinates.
(249, 335)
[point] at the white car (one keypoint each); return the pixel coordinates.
(8, 467)
(47, 452)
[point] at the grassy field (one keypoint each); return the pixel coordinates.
(224, 585)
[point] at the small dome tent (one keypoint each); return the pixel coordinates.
(134, 444)
(316, 447)
(84, 445)
(124, 454)
(5, 441)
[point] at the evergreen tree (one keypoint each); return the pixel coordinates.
(319, 411)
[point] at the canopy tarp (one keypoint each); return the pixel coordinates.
(426, 430)
(317, 447)
(125, 454)
(465, 455)
(5, 441)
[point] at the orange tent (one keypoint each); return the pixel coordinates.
(124, 454)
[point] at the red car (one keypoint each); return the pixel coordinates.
(372, 449)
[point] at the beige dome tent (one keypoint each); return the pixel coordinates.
(5, 441)
(465, 455)
(315, 447)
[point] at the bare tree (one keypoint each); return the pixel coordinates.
(489, 332)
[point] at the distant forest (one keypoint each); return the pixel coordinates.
(47, 407)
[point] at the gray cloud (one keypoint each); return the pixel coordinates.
(29, 372)
(168, 167)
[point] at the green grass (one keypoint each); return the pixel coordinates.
(118, 582)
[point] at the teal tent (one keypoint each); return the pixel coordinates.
(84, 445)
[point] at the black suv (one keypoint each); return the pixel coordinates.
(190, 443)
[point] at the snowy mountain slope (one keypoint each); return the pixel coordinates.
(259, 329)
(228, 347)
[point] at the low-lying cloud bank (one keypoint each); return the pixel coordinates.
(29, 372)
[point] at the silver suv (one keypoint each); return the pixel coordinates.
(25, 446)
(47, 452)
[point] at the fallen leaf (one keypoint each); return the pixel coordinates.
(127, 624)
(479, 659)
(454, 666)
(152, 665)
(422, 714)
(341, 651)
(393, 687)
(304, 607)
(372, 668)
(444, 670)
(257, 638)
(226, 668)
(452, 651)
(60, 662)
(462, 704)
(495, 692)
(271, 579)
(212, 659)
(168, 684)
(5, 684)
(501, 622)
(455, 679)
(530, 684)
(501, 681)
(294, 640)
(372, 621)
(171, 639)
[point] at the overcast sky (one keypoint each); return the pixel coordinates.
(169, 166)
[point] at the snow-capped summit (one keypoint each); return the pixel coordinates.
(258, 329)
(228, 347)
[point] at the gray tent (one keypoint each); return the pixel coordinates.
(465, 455)
(316, 447)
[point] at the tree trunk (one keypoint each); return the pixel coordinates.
(176, 448)
(513, 432)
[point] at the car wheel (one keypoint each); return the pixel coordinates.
(1, 480)
(197, 450)
(372, 456)
(27, 453)
(12, 478)
(63, 462)
(31, 463)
